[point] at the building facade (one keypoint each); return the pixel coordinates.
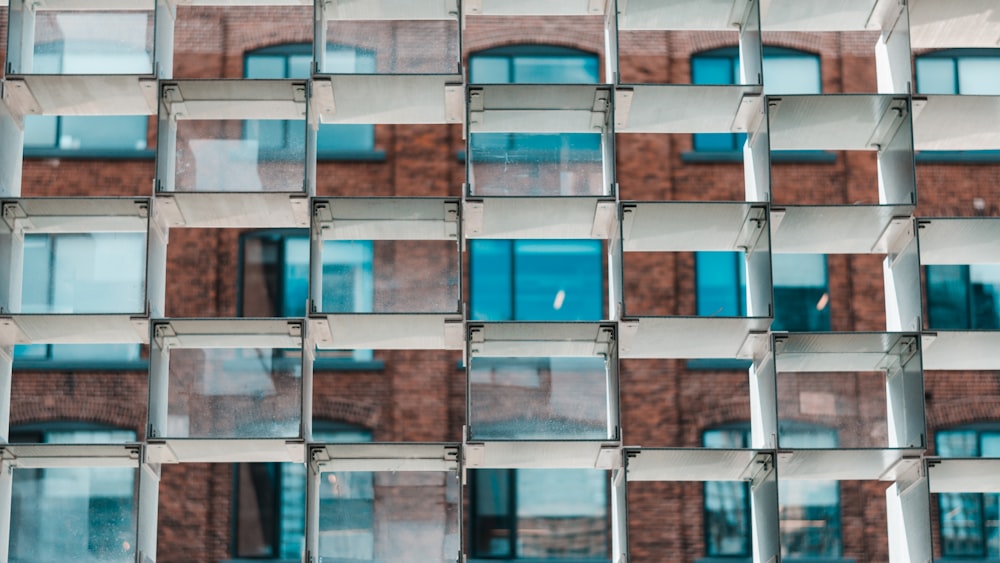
(394, 281)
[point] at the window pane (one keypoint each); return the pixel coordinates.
(265, 66)
(489, 70)
(801, 301)
(347, 276)
(555, 70)
(948, 297)
(89, 273)
(795, 74)
(720, 284)
(714, 70)
(936, 75)
(979, 75)
(345, 137)
(561, 513)
(492, 523)
(727, 522)
(491, 276)
(557, 280)
(40, 131)
(716, 142)
(985, 290)
(122, 132)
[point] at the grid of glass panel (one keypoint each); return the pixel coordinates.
(529, 510)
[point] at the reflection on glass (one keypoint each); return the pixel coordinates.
(234, 393)
(241, 156)
(84, 273)
(92, 43)
(392, 47)
(540, 164)
(963, 297)
(551, 514)
(73, 514)
(539, 398)
(970, 522)
(388, 516)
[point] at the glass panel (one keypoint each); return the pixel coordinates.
(244, 156)
(961, 529)
(717, 142)
(979, 75)
(809, 515)
(727, 521)
(77, 514)
(714, 70)
(94, 42)
(555, 70)
(539, 398)
(957, 443)
(266, 66)
(936, 75)
(562, 513)
(256, 488)
(537, 164)
(557, 280)
(485, 69)
(491, 276)
(721, 284)
(947, 297)
(120, 132)
(395, 516)
(84, 273)
(801, 300)
(795, 74)
(492, 521)
(984, 282)
(410, 276)
(234, 393)
(399, 46)
(41, 131)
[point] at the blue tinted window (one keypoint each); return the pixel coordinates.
(271, 503)
(536, 280)
(785, 72)
(959, 71)
(295, 61)
(970, 522)
(808, 510)
(801, 298)
(963, 297)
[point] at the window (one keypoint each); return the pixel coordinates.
(541, 514)
(87, 136)
(963, 297)
(295, 61)
(786, 71)
(274, 278)
(80, 273)
(271, 504)
(801, 298)
(808, 511)
(73, 513)
(970, 522)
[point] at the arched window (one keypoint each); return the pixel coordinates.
(786, 71)
(333, 141)
(270, 503)
(96, 504)
(970, 522)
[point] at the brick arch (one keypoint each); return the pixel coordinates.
(964, 412)
(97, 411)
(359, 413)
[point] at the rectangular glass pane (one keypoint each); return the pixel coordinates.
(73, 514)
(41, 131)
(84, 273)
(234, 393)
(118, 132)
(554, 70)
(102, 42)
(539, 398)
(714, 70)
(558, 280)
(791, 75)
(266, 66)
(489, 70)
(727, 518)
(936, 75)
(833, 398)
(562, 513)
(721, 284)
(979, 75)
(801, 300)
(716, 142)
(392, 46)
(522, 164)
(388, 516)
(491, 277)
(809, 518)
(334, 138)
(984, 281)
(241, 156)
(948, 297)
(492, 521)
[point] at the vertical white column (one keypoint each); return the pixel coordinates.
(908, 514)
(619, 517)
(148, 510)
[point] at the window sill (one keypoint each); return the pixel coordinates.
(81, 365)
(963, 157)
(355, 156)
(89, 154)
(821, 157)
